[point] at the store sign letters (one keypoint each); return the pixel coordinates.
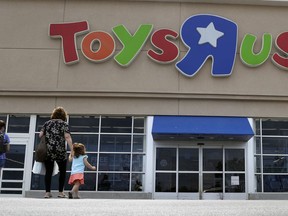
(206, 36)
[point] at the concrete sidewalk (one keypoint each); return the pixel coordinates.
(103, 207)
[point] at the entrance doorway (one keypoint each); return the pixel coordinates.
(200, 172)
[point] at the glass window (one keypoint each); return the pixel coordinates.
(258, 129)
(235, 183)
(137, 162)
(212, 160)
(116, 124)
(273, 145)
(259, 183)
(111, 146)
(113, 181)
(84, 124)
(18, 124)
(15, 158)
(138, 143)
(188, 182)
(274, 127)
(89, 140)
(166, 159)
(12, 175)
(115, 143)
(137, 182)
(212, 183)
(138, 125)
(258, 145)
(258, 164)
(188, 159)
(114, 162)
(3, 118)
(165, 182)
(275, 183)
(234, 160)
(275, 164)
(40, 122)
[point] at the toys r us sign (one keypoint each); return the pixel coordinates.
(205, 35)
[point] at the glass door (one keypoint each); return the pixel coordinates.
(223, 173)
(200, 173)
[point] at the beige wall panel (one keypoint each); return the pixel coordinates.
(235, 108)
(104, 15)
(132, 106)
(25, 24)
(266, 79)
(28, 69)
(142, 75)
(27, 105)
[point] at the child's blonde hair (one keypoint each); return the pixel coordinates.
(79, 149)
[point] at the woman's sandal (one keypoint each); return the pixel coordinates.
(47, 196)
(62, 196)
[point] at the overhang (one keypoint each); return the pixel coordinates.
(201, 128)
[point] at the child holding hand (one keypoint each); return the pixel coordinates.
(79, 161)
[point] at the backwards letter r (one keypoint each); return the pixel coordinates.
(208, 36)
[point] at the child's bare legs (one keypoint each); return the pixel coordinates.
(75, 189)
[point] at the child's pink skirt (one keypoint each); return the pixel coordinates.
(76, 177)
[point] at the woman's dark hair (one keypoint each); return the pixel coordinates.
(79, 149)
(59, 113)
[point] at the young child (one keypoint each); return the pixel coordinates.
(79, 161)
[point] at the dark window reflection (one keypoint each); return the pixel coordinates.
(275, 183)
(274, 127)
(89, 140)
(12, 185)
(115, 143)
(12, 175)
(114, 162)
(275, 145)
(234, 160)
(138, 125)
(275, 164)
(212, 160)
(165, 182)
(113, 182)
(235, 183)
(188, 159)
(212, 183)
(3, 118)
(137, 162)
(84, 124)
(166, 159)
(40, 122)
(188, 182)
(258, 129)
(137, 182)
(138, 143)
(116, 124)
(18, 124)
(90, 182)
(15, 157)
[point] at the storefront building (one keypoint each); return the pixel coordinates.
(173, 99)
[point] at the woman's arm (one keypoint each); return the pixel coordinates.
(88, 165)
(41, 134)
(69, 141)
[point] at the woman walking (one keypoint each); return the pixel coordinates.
(56, 132)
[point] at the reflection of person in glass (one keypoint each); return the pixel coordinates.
(138, 185)
(56, 132)
(104, 184)
(6, 144)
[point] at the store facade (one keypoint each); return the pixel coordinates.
(192, 105)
